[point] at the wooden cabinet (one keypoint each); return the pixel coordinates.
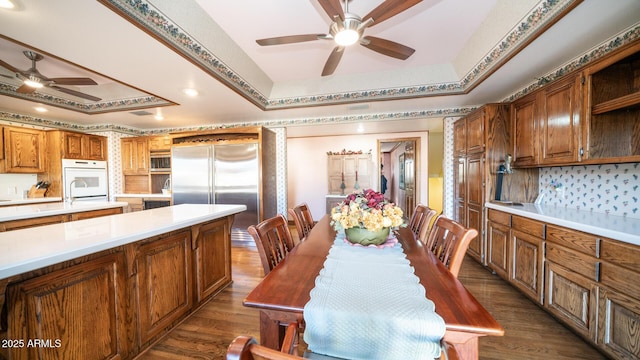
(498, 239)
(572, 273)
(480, 142)
(160, 143)
(212, 258)
(73, 145)
(546, 125)
(135, 156)
(164, 280)
(350, 170)
(92, 327)
(612, 131)
(527, 251)
(24, 150)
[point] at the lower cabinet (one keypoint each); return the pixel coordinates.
(73, 313)
(116, 303)
(588, 283)
(57, 219)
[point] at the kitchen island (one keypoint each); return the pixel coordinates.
(108, 287)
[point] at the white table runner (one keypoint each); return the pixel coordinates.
(368, 304)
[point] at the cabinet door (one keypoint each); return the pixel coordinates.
(524, 125)
(560, 123)
(135, 155)
(24, 150)
(164, 283)
(96, 147)
(618, 318)
(572, 298)
(475, 132)
(460, 190)
(474, 203)
(498, 248)
(213, 258)
(526, 264)
(81, 311)
(160, 143)
(73, 146)
(460, 137)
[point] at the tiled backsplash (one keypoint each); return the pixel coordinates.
(612, 188)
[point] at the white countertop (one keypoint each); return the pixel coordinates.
(14, 202)
(8, 213)
(158, 195)
(33, 248)
(620, 228)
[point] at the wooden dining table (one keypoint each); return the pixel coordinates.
(283, 293)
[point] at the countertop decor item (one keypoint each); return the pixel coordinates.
(366, 217)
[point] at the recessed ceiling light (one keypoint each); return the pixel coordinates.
(159, 116)
(7, 4)
(40, 109)
(191, 92)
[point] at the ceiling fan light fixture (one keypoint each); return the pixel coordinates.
(33, 82)
(347, 37)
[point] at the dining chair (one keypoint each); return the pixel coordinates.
(303, 220)
(420, 221)
(247, 348)
(449, 241)
(273, 240)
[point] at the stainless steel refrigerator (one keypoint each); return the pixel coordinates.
(218, 174)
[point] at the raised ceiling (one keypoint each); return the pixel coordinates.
(143, 54)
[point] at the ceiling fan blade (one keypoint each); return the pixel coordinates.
(332, 8)
(333, 61)
(9, 67)
(74, 81)
(388, 9)
(75, 93)
(289, 39)
(25, 89)
(387, 47)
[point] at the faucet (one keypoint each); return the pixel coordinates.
(70, 197)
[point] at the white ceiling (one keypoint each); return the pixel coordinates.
(467, 53)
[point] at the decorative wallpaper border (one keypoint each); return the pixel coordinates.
(146, 16)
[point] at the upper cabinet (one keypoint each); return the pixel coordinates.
(591, 116)
(546, 125)
(160, 143)
(72, 145)
(23, 150)
(613, 116)
(135, 155)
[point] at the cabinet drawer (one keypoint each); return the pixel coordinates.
(528, 226)
(576, 240)
(619, 278)
(499, 217)
(577, 262)
(625, 255)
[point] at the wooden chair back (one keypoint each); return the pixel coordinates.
(302, 219)
(273, 240)
(449, 241)
(420, 220)
(247, 347)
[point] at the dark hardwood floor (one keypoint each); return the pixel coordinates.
(530, 333)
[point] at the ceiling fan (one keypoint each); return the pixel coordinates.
(347, 29)
(32, 79)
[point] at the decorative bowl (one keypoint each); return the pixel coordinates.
(362, 236)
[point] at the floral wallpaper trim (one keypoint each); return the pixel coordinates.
(149, 17)
(403, 115)
(92, 108)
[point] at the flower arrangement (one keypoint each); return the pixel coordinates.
(366, 209)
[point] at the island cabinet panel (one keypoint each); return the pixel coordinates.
(56, 219)
(164, 279)
(74, 313)
(212, 258)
